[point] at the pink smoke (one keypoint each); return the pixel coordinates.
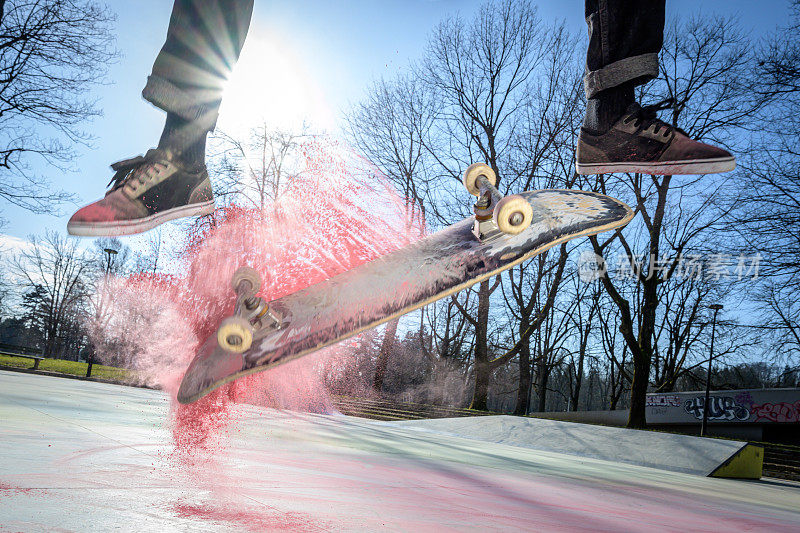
(336, 214)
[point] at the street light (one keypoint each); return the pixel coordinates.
(110, 252)
(704, 425)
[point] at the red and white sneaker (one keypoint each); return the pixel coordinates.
(145, 191)
(640, 142)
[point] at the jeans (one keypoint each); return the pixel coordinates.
(205, 37)
(625, 37)
(203, 43)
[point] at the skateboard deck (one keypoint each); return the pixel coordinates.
(400, 282)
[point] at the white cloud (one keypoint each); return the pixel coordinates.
(11, 246)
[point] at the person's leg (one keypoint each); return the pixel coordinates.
(625, 38)
(203, 43)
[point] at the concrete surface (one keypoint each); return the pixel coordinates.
(83, 456)
(677, 453)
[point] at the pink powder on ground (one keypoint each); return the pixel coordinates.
(249, 520)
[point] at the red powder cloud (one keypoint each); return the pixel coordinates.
(334, 215)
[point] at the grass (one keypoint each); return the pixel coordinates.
(75, 368)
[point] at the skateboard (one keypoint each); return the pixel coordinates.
(503, 232)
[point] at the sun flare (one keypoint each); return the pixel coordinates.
(271, 84)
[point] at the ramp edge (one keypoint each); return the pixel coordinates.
(746, 463)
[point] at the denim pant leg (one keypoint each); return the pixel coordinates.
(203, 43)
(625, 37)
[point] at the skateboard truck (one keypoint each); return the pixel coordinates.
(495, 213)
(252, 316)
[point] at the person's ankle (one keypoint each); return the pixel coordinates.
(606, 108)
(184, 140)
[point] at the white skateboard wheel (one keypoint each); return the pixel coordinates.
(470, 177)
(513, 214)
(235, 334)
(248, 276)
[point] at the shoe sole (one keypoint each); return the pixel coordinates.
(132, 227)
(690, 166)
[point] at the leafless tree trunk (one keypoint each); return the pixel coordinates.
(480, 73)
(151, 261)
(582, 316)
(683, 324)
(543, 158)
(704, 67)
(530, 308)
(549, 350)
(618, 375)
(389, 337)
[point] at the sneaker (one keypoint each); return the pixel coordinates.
(145, 191)
(640, 142)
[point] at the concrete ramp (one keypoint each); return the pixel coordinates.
(677, 453)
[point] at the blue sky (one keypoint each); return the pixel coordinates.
(326, 52)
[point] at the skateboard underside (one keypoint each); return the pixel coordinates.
(398, 283)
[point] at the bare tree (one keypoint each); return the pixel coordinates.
(549, 351)
(582, 317)
(681, 328)
(704, 68)
(543, 158)
(616, 351)
(4, 291)
(98, 257)
(530, 298)
(5, 284)
(258, 169)
(390, 129)
(501, 88)
(149, 260)
(768, 216)
(51, 53)
(480, 73)
(56, 267)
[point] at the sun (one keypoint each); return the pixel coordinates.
(270, 84)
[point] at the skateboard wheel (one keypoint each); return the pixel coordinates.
(249, 276)
(513, 214)
(470, 177)
(235, 334)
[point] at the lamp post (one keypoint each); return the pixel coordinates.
(110, 252)
(704, 425)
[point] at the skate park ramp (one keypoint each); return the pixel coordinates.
(85, 456)
(676, 453)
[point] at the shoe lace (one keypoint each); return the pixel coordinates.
(138, 170)
(646, 117)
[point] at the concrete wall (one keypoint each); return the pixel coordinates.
(747, 406)
(753, 414)
(750, 432)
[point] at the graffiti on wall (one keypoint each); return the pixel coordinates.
(663, 400)
(752, 406)
(744, 398)
(719, 408)
(778, 412)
